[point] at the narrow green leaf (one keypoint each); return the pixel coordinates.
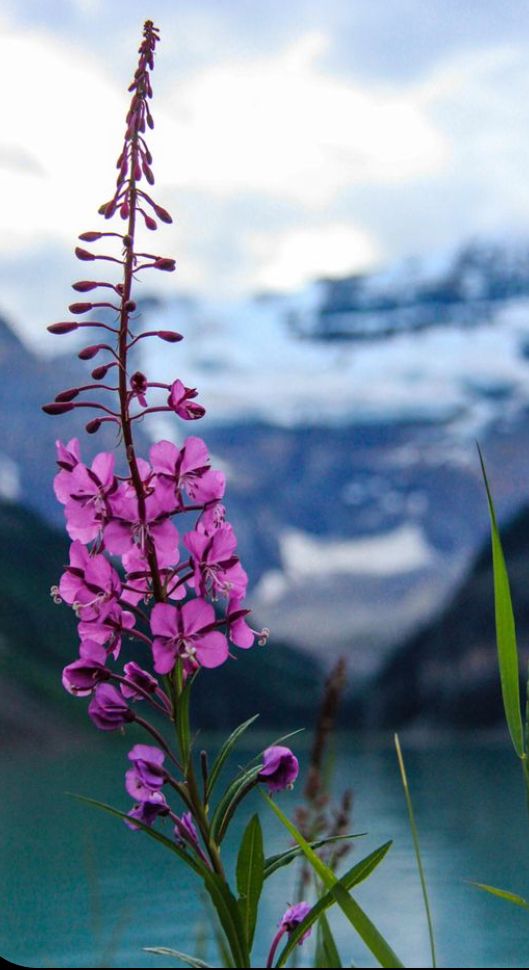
(166, 951)
(250, 875)
(360, 871)
(502, 894)
(372, 938)
(505, 630)
(416, 846)
(224, 753)
(229, 916)
(183, 729)
(329, 950)
(230, 799)
(191, 861)
(275, 862)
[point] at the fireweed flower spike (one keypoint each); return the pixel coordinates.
(291, 919)
(153, 559)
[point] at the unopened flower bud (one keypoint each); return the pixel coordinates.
(124, 210)
(67, 395)
(168, 265)
(82, 286)
(99, 372)
(92, 426)
(88, 352)
(162, 213)
(57, 408)
(66, 327)
(83, 254)
(80, 307)
(90, 236)
(171, 336)
(150, 222)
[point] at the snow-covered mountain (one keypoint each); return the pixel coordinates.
(345, 416)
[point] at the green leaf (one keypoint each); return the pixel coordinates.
(502, 894)
(328, 955)
(368, 932)
(275, 862)
(505, 630)
(417, 847)
(250, 875)
(229, 916)
(183, 729)
(234, 793)
(191, 861)
(224, 753)
(165, 951)
(352, 877)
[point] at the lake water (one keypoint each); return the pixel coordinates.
(80, 890)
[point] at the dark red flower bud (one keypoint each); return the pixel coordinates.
(149, 222)
(110, 209)
(162, 213)
(130, 306)
(124, 211)
(80, 307)
(83, 254)
(103, 208)
(88, 352)
(93, 425)
(99, 372)
(57, 408)
(137, 172)
(148, 173)
(90, 236)
(65, 327)
(171, 336)
(168, 265)
(67, 395)
(82, 286)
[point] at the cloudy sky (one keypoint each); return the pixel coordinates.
(292, 139)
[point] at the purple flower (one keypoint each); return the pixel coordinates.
(216, 568)
(293, 917)
(137, 677)
(88, 582)
(127, 530)
(107, 708)
(187, 468)
(184, 830)
(238, 630)
(86, 506)
(181, 400)
(147, 774)
(280, 768)
(148, 811)
(81, 676)
(105, 623)
(186, 631)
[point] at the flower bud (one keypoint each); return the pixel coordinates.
(82, 286)
(150, 222)
(280, 768)
(99, 372)
(168, 265)
(171, 336)
(162, 214)
(66, 327)
(88, 352)
(90, 236)
(83, 254)
(57, 407)
(92, 426)
(80, 307)
(124, 210)
(67, 395)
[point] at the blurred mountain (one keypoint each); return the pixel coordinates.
(448, 672)
(344, 416)
(37, 639)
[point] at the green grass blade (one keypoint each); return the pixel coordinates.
(250, 875)
(509, 897)
(224, 753)
(328, 948)
(505, 630)
(368, 932)
(165, 951)
(240, 785)
(360, 871)
(275, 862)
(417, 848)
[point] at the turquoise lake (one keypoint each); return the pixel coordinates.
(80, 890)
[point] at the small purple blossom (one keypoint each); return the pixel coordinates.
(293, 917)
(280, 768)
(181, 401)
(186, 631)
(107, 708)
(147, 774)
(137, 678)
(148, 811)
(184, 829)
(81, 676)
(187, 468)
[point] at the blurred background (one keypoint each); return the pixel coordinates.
(349, 183)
